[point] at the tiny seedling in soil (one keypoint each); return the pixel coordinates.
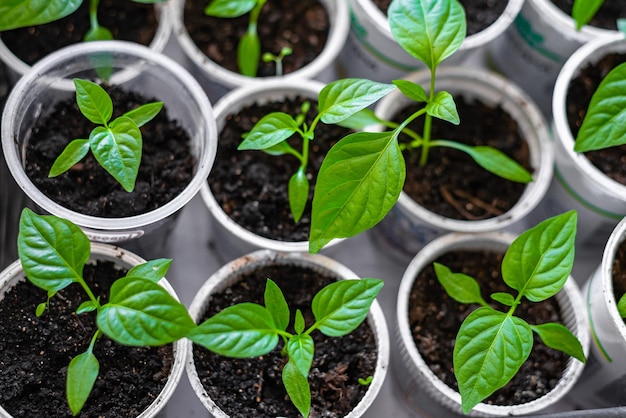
(250, 330)
(139, 312)
(362, 175)
(277, 59)
(116, 144)
(492, 345)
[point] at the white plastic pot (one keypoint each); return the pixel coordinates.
(423, 388)
(14, 274)
(230, 273)
(218, 80)
(532, 51)
(136, 68)
(372, 52)
(409, 226)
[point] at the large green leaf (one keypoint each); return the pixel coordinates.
(248, 53)
(144, 113)
(93, 101)
(20, 13)
(53, 251)
(153, 270)
(276, 305)
(429, 30)
(118, 150)
(489, 350)
(605, 122)
(343, 98)
(298, 189)
(560, 338)
(73, 153)
(340, 307)
(271, 130)
(459, 286)
(81, 376)
(300, 349)
(584, 10)
(297, 386)
(539, 261)
(229, 8)
(140, 312)
(240, 331)
(358, 183)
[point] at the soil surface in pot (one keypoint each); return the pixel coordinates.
(166, 168)
(251, 186)
(451, 183)
(301, 25)
(246, 388)
(619, 272)
(435, 319)
(35, 353)
(610, 160)
(479, 13)
(605, 18)
(127, 21)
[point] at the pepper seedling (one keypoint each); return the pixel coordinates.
(277, 59)
(250, 330)
(362, 175)
(116, 144)
(139, 312)
(492, 345)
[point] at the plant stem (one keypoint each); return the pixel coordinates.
(428, 123)
(93, 13)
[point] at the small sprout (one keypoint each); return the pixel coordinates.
(338, 308)
(536, 265)
(365, 382)
(116, 145)
(621, 306)
(278, 59)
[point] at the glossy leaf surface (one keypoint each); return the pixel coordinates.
(412, 90)
(93, 101)
(297, 386)
(271, 130)
(584, 10)
(20, 13)
(144, 113)
(300, 349)
(229, 8)
(298, 189)
(72, 154)
(81, 376)
(560, 338)
(153, 270)
(276, 305)
(248, 53)
(459, 286)
(496, 162)
(343, 98)
(443, 107)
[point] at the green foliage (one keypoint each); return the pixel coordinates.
(621, 306)
(250, 330)
(584, 10)
(53, 253)
(116, 144)
(491, 345)
(277, 59)
(362, 176)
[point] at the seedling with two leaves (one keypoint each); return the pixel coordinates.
(139, 312)
(250, 330)
(492, 345)
(117, 144)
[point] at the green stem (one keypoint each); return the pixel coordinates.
(254, 15)
(428, 123)
(93, 13)
(89, 292)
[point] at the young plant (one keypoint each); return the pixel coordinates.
(249, 47)
(584, 10)
(277, 59)
(250, 330)
(491, 345)
(139, 312)
(363, 174)
(116, 144)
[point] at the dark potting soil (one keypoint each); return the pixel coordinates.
(245, 388)
(251, 186)
(451, 183)
(35, 353)
(610, 160)
(480, 14)
(166, 168)
(127, 21)
(619, 272)
(435, 319)
(605, 18)
(301, 25)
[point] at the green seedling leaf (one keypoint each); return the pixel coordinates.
(540, 260)
(496, 162)
(429, 30)
(41, 308)
(360, 120)
(300, 349)
(341, 306)
(53, 251)
(605, 122)
(153, 270)
(20, 13)
(118, 150)
(359, 181)
(98, 33)
(87, 306)
(443, 107)
(560, 338)
(248, 53)
(270, 131)
(144, 113)
(504, 298)
(621, 306)
(489, 350)
(584, 10)
(281, 149)
(240, 331)
(276, 305)
(299, 324)
(297, 386)
(298, 193)
(93, 101)
(459, 286)
(81, 376)
(412, 90)
(142, 313)
(343, 98)
(73, 153)
(365, 382)
(229, 8)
